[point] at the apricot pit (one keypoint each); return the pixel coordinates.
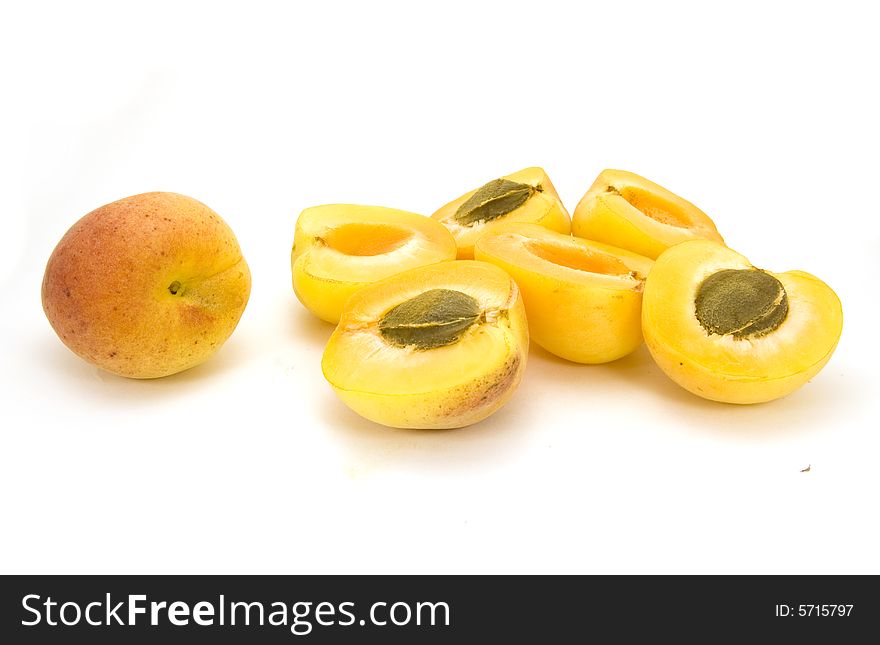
(433, 319)
(741, 302)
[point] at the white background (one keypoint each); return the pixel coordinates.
(763, 114)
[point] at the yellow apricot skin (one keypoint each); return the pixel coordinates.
(543, 208)
(340, 248)
(443, 387)
(633, 213)
(583, 299)
(721, 367)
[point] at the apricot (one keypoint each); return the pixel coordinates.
(340, 248)
(583, 299)
(730, 332)
(441, 346)
(629, 211)
(146, 286)
(524, 196)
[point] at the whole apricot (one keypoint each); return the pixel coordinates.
(146, 286)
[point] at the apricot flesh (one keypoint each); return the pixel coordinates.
(146, 286)
(583, 299)
(631, 212)
(527, 195)
(440, 346)
(730, 332)
(340, 248)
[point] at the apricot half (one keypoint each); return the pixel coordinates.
(583, 299)
(730, 332)
(524, 196)
(629, 211)
(340, 248)
(441, 346)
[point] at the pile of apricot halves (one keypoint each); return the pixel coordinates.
(434, 314)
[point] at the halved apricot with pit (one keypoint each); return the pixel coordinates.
(629, 211)
(340, 248)
(730, 332)
(441, 346)
(524, 196)
(583, 299)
